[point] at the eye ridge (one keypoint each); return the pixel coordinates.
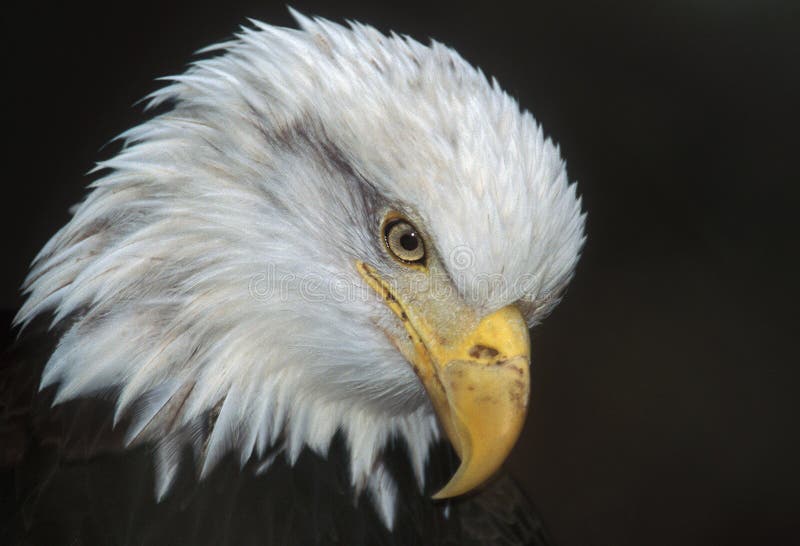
(404, 241)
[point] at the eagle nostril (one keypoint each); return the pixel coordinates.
(483, 352)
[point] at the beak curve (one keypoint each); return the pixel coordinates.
(485, 397)
(477, 378)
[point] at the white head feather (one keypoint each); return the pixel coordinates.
(210, 271)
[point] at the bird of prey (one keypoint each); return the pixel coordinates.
(323, 232)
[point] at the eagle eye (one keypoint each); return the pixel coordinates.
(403, 241)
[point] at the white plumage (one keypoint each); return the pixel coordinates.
(210, 269)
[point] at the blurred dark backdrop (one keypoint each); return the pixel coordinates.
(663, 408)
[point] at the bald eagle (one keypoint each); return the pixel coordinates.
(325, 231)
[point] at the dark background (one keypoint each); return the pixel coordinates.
(663, 407)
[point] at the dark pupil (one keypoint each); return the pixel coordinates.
(409, 241)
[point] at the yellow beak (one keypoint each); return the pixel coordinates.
(485, 381)
(478, 381)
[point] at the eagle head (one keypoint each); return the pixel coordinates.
(325, 230)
